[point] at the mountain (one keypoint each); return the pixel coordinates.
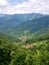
(24, 24)
(33, 26)
(18, 18)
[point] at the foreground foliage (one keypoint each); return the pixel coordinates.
(15, 54)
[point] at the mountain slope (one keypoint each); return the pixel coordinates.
(32, 26)
(24, 24)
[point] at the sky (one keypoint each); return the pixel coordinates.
(24, 6)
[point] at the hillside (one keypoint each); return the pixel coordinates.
(25, 42)
(24, 24)
(33, 26)
(24, 54)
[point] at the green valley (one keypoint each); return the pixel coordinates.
(24, 39)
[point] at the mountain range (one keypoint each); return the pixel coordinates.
(33, 24)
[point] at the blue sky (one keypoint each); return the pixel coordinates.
(16, 1)
(24, 6)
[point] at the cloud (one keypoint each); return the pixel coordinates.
(3, 2)
(31, 6)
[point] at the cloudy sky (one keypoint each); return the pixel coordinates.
(24, 6)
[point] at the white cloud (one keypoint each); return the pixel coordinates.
(32, 6)
(3, 2)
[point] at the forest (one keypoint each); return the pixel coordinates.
(34, 53)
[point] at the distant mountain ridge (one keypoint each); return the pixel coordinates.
(23, 24)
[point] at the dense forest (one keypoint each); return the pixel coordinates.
(26, 53)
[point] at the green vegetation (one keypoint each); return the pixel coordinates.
(24, 39)
(36, 53)
(24, 24)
